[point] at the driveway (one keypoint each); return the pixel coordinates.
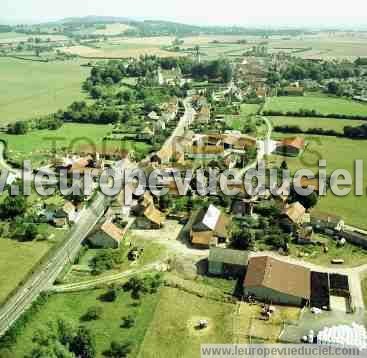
(171, 237)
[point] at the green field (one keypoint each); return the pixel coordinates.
(37, 145)
(324, 105)
(237, 121)
(28, 88)
(72, 306)
(324, 123)
(339, 153)
(16, 260)
(172, 331)
(42, 139)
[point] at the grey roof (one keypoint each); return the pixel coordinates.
(228, 256)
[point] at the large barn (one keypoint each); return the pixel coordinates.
(275, 281)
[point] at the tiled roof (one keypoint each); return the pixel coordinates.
(280, 276)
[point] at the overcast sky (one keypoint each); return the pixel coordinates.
(223, 12)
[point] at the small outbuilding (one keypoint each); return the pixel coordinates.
(290, 147)
(227, 262)
(109, 236)
(294, 212)
(210, 227)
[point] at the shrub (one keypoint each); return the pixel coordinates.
(93, 314)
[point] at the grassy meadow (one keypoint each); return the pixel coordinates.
(172, 331)
(323, 104)
(340, 153)
(38, 144)
(237, 121)
(16, 260)
(72, 306)
(118, 50)
(29, 89)
(323, 45)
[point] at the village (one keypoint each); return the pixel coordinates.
(244, 238)
(286, 268)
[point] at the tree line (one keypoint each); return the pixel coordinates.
(359, 132)
(312, 114)
(51, 122)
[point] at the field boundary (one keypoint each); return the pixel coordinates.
(26, 59)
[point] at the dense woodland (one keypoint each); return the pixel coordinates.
(300, 69)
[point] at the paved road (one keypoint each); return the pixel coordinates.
(45, 275)
(179, 131)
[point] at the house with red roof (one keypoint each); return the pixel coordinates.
(290, 147)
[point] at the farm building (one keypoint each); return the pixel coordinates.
(227, 262)
(109, 236)
(243, 207)
(294, 212)
(150, 218)
(203, 116)
(210, 227)
(261, 91)
(169, 77)
(276, 281)
(305, 235)
(238, 142)
(293, 91)
(206, 146)
(68, 214)
(290, 147)
(170, 110)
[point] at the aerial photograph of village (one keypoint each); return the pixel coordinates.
(183, 179)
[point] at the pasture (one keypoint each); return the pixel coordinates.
(17, 259)
(118, 50)
(39, 144)
(29, 89)
(325, 46)
(323, 105)
(340, 153)
(72, 306)
(8, 37)
(172, 331)
(237, 122)
(324, 123)
(316, 46)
